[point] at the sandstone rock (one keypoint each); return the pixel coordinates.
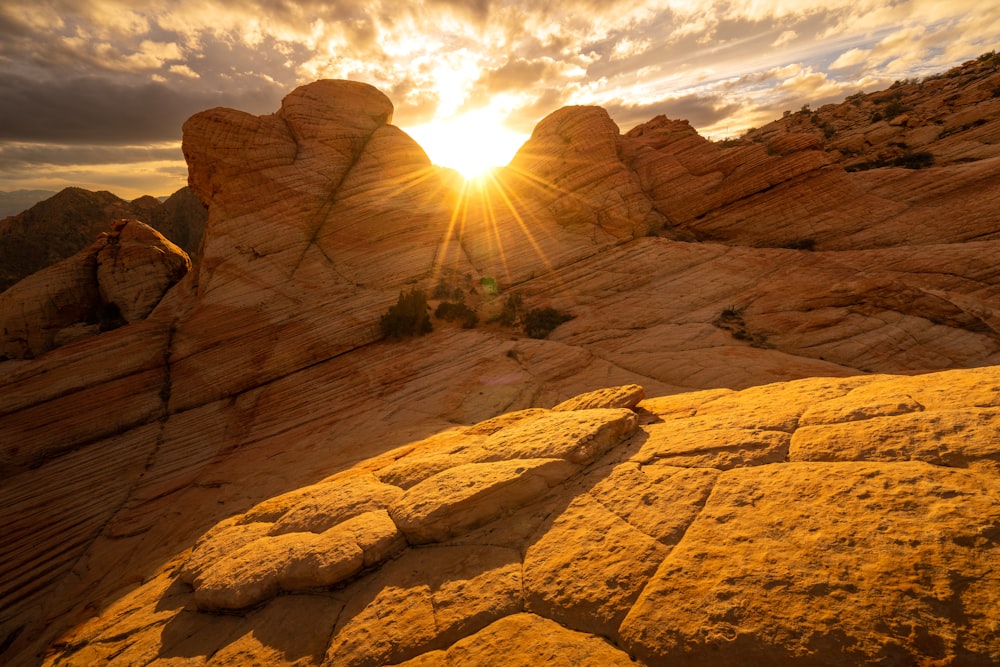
(225, 538)
(426, 600)
(136, 266)
(525, 640)
(613, 397)
(587, 568)
(780, 544)
(68, 222)
(662, 500)
(295, 561)
(469, 495)
(34, 311)
(257, 393)
(333, 502)
(123, 274)
(579, 436)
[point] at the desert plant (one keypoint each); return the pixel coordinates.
(489, 286)
(729, 313)
(510, 312)
(539, 322)
(918, 160)
(895, 108)
(449, 311)
(731, 320)
(409, 317)
(800, 244)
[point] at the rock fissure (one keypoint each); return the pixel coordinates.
(329, 202)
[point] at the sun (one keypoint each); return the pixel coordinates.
(471, 144)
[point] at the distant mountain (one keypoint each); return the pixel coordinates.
(19, 200)
(69, 221)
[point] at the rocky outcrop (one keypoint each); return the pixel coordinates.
(117, 280)
(715, 525)
(68, 222)
(250, 474)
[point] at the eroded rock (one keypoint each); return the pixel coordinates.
(120, 278)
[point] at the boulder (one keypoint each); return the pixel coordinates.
(119, 279)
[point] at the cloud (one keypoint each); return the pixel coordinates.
(100, 110)
(134, 170)
(516, 73)
(700, 110)
(784, 38)
(107, 72)
(850, 58)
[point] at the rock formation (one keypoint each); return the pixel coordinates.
(850, 521)
(69, 221)
(249, 474)
(120, 278)
(17, 201)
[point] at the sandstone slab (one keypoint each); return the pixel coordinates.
(470, 495)
(426, 600)
(787, 565)
(526, 640)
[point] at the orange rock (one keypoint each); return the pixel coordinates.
(253, 435)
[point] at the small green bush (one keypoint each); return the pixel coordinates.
(409, 317)
(539, 322)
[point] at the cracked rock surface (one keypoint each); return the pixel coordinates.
(844, 555)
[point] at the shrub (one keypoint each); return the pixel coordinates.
(450, 311)
(510, 313)
(801, 244)
(539, 322)
(894, 108)
(408, 317)
(489, 286)
(729, 313)
(919, 160)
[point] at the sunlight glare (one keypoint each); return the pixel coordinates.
(470, 144)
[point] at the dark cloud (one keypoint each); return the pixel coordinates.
(524, 119)
(412, 105)
(17, 156)
(477, 11)
(516, 73)
(98, 110)
(700, 110)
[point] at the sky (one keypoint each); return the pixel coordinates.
(93, 93)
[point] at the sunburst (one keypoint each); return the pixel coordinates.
(471, 144)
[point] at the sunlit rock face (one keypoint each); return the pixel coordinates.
(821, 521)
(249, 474)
